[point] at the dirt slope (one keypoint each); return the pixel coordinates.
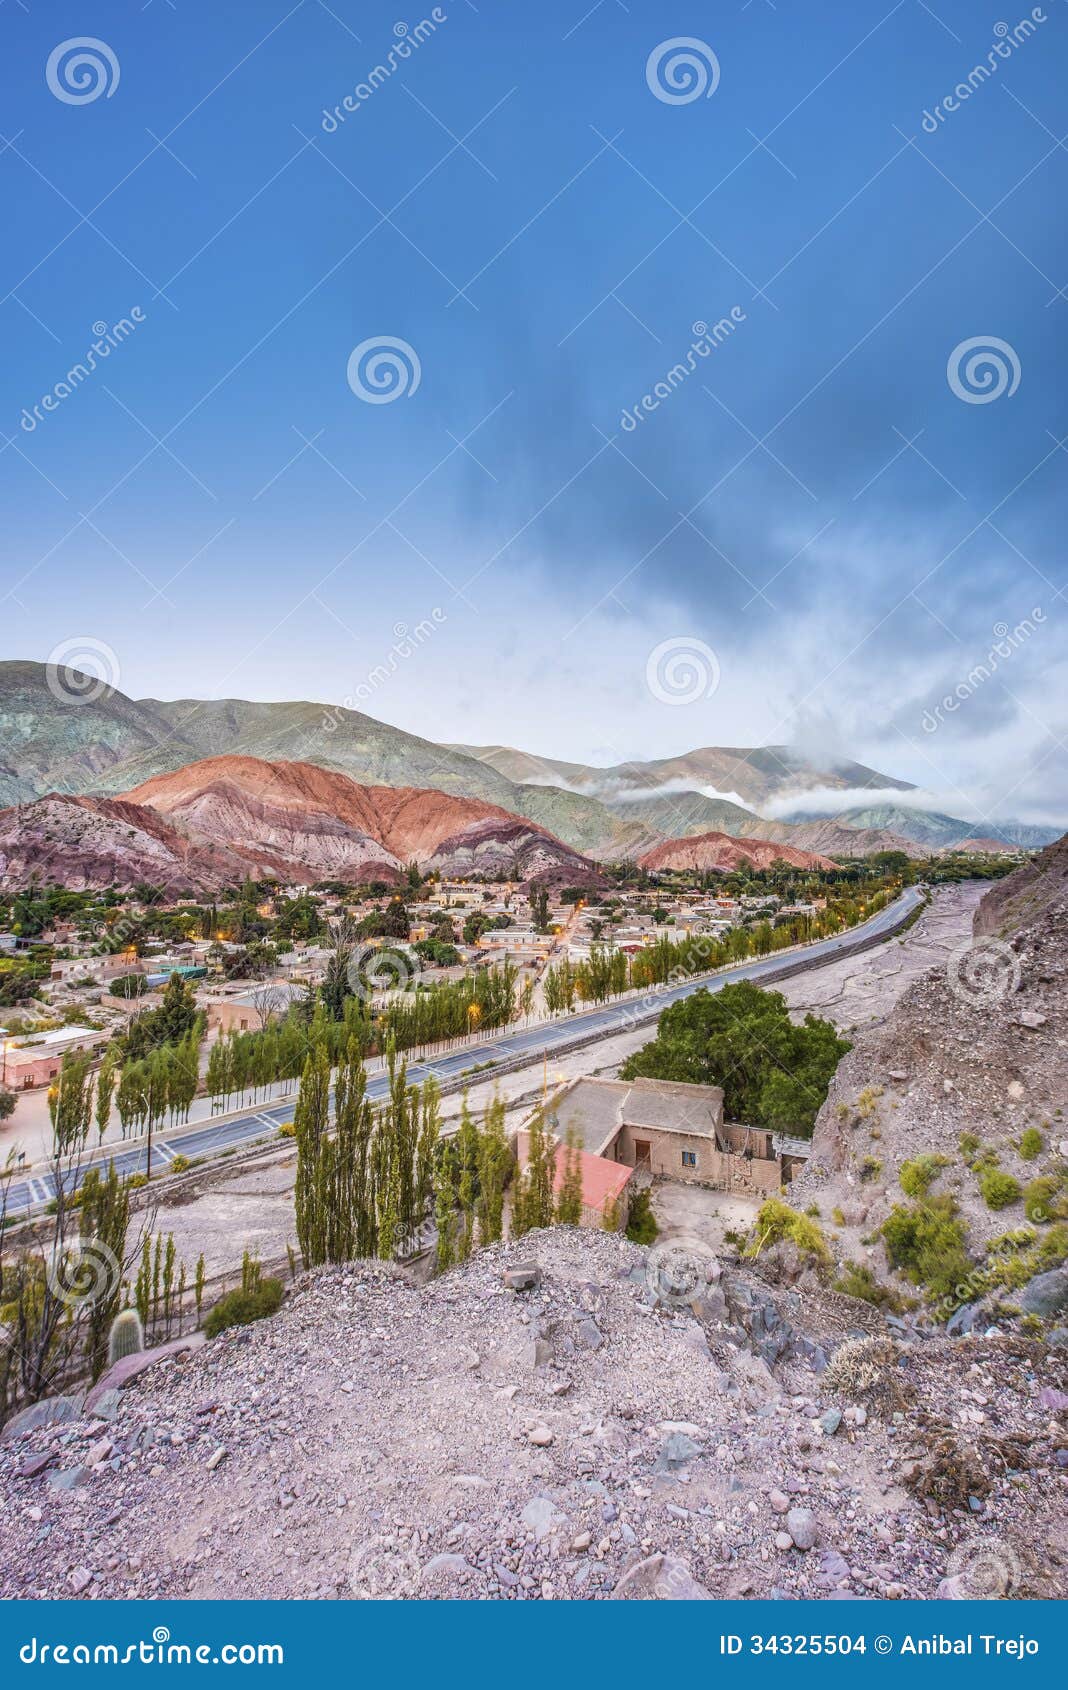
(977, 1047)
(95, 842)
(464, 1440)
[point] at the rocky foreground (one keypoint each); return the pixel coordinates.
(585, 1436)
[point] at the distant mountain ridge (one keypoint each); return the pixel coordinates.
(933, 830)
(755, 773)
(66, 738)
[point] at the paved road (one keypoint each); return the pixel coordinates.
(210, 1138)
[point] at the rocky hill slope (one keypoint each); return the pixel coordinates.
(87, 843)
(718, 851)
(313, 823)
(1034, 893)
(582, 1438)
(970, 1069)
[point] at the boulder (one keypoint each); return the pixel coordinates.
(541, 1516)
(1046, 1294)
(802, 1527)
(131, 1367)
(50, 1411)
(521, 1276)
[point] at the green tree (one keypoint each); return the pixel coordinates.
(569, 1197)
(773, 1074)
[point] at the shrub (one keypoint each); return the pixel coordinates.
(860, 1364)
(919, 1175)
(287, 1130)
(998, 1189)
(868, 1102)
(870, 1169)
(1031, 1144)
(777, 1223)
(241, 1308)
(641, 1223)
(857, 1280)
(1042, 1199)
(180, 1165)
(926, 1242)
(968, 1144)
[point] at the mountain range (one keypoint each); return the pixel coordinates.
(220, 819)
(61, 733)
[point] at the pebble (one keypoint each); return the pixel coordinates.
(801, 1524)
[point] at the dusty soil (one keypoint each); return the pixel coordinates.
(467, 1440)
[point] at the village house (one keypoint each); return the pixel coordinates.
(33, 1059)
(249, 1010)
(669, 1129)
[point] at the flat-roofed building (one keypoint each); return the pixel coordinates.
(674, 1130)
(34, 1059)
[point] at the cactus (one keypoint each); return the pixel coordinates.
(126, 1337)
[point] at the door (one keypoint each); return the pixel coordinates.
(642, 1152)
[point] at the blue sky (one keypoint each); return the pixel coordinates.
(814, 504)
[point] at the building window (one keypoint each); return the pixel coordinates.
(689, 1159)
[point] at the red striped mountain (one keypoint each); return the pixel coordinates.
(216, 821)
(719, 851)
(307, 823)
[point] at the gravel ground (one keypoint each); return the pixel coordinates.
(576, 1440)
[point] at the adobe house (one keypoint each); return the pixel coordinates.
(675, 1131)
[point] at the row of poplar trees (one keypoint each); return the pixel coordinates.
(370, 1178)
